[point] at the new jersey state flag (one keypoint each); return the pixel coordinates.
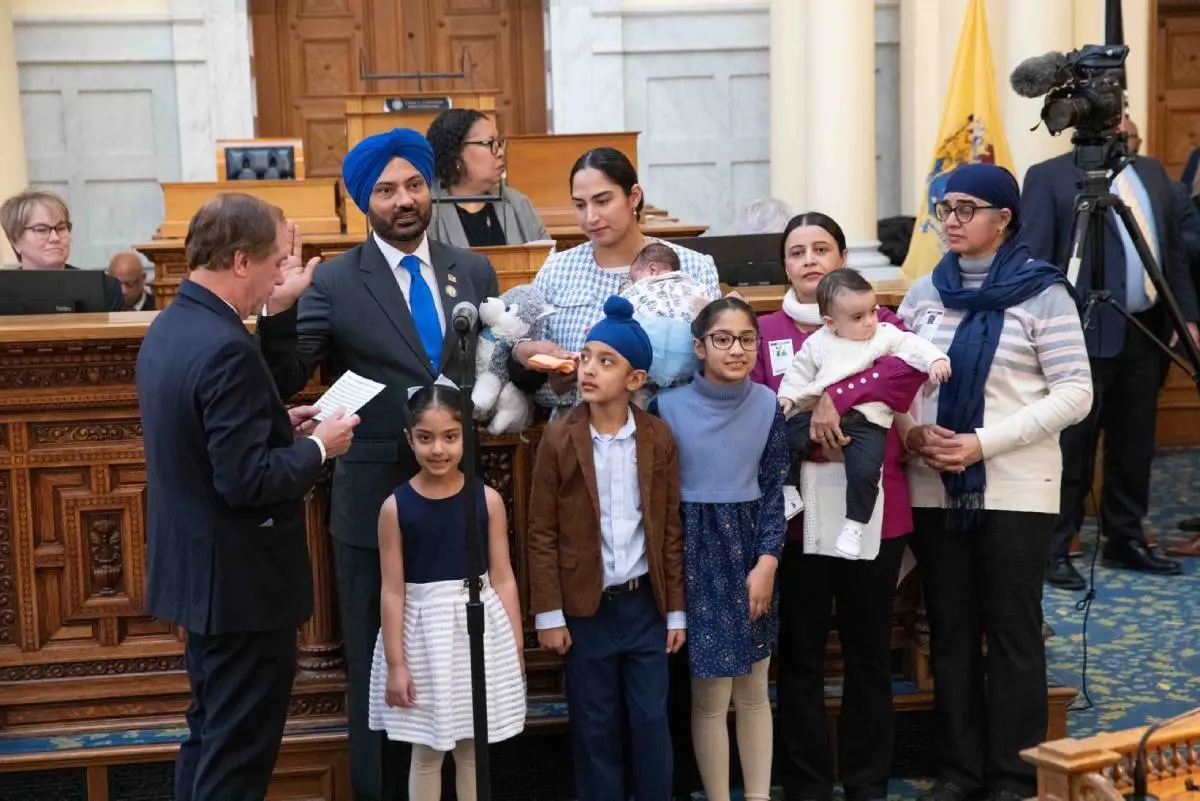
(970, 132)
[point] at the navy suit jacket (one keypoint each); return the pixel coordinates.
(355, 315)
(227, 548)
(1047, 214)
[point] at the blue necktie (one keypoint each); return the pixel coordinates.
(424, 311)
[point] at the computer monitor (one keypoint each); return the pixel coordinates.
(51, 291)
(742, 260)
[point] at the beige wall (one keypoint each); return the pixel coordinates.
(12, 145)
(65, 8)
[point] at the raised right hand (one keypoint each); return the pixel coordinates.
(296, 275)
(557, 640)
(336, 433)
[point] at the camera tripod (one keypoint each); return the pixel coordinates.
(1097, 159)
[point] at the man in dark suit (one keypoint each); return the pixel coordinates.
(1126, 365)
(227, 468)
(382, 310)
(127, 268)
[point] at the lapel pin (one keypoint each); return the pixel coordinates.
(451, 291)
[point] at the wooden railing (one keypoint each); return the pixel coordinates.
(1101, 768)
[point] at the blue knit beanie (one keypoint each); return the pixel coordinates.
(363, 165)
(989, 183)
(622, 333)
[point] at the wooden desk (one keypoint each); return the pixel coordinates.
(312, 202)
(764, 299)
(515, 264)
(540, 164)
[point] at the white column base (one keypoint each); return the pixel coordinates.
(865, 253)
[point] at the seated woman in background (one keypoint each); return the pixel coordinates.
(38, 226)
(468, 159)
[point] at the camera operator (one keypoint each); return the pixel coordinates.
(1126, 364)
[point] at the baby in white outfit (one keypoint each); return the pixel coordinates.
(851, 340)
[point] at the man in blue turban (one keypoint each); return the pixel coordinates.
(383, 310)
(384, 168)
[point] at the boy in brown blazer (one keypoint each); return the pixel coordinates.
(606, 563)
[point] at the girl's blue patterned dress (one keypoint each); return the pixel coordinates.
(721, 545)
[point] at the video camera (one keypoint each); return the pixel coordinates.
(1084, 90)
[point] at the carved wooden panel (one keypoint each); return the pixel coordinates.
(1175, 124)
(8, 583)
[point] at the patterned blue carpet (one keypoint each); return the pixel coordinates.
(1143, 638)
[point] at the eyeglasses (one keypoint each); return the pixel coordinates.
(723, 340)
(43, 231)
(495, 144)
(964, 212)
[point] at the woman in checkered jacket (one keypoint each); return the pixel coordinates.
(608, 203)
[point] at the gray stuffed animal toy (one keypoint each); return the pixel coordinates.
(517, 314)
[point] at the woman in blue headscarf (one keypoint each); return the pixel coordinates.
(984, 476)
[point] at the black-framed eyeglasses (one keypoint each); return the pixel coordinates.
(723, 340)
(965, 212)
(495, 144)
(43, 231)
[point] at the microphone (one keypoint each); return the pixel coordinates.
(464, 317)
(1036, 76)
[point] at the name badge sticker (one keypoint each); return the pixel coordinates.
(781, 355)
(928, 323)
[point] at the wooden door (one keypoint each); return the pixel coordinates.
(309, 54)
(1175, 124)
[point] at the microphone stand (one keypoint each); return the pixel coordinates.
(466, 346)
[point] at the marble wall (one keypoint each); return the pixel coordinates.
(112, 105)
(694, 79)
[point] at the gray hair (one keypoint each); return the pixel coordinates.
(764, 216)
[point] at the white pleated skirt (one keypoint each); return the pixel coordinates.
(437, 651)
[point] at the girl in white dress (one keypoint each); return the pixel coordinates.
(421, 676)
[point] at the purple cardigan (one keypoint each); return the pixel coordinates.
(889, 381)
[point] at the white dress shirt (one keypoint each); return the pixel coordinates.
(404, 278)
(622, 535)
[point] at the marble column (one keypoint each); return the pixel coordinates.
(13, 175)
(1054, 30)
(789, 103)
(840, 106)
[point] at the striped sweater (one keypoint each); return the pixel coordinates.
(1040, 382)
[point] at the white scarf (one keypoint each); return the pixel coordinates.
(801, 313)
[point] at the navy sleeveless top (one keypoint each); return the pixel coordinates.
(434, 534)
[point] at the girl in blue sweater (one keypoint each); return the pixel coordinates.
(733, 460)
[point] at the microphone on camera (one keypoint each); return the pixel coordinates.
(464, 317)
(1036, 76)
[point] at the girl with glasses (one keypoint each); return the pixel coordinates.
(733, 458)
(468, 160)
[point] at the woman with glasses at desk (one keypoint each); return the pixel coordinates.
(468, 161)
(38, 226)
